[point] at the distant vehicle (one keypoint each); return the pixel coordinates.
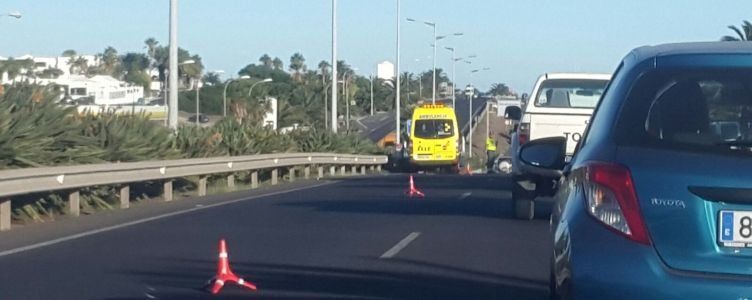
(434, 138)
(657, 195)
(202, 118)
(561, 105)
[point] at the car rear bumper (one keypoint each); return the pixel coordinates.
(604, 265)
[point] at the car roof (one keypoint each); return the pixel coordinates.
(597, 76)
(649, 52)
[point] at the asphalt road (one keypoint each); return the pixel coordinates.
(360, 238)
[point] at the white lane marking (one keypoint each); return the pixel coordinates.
(401, 245)
(465, 195)
(154, 218)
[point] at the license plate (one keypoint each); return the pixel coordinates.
(735, 228)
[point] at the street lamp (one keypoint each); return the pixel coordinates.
(224, 94)
(334, 66)
(472, 94)
(435, 42)
(258, 82)
(371, 78)
(454, 72)
(13, 14)
(432, 25)
(347, 77)
(397, 96)
(172, 112)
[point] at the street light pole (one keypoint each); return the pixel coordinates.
(334, 66)
(346, 85)
(224, 94)
(472, 95)
(398, 133)
(433, 88)
(198, 91)
(371, 77)
(326, 104)
(454, 72)
(172, 117)
(435, 42)
(257, 82)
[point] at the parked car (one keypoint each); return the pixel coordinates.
(202, 118)
(655, 203)
(560, 105)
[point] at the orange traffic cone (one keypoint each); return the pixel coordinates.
(413, 191)
(224, 274)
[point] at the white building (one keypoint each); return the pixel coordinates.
(385, 70)
(98, 90)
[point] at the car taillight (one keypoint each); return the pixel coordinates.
(523, 133)
(611, 199)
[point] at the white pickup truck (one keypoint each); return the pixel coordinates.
(560, 105)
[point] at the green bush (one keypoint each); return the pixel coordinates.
(36, 131)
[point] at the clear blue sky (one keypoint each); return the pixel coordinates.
(518, 40)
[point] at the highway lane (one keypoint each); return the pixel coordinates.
(324, 242)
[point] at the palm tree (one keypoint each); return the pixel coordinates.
(151, 47)
(742, 34)
(78, 64)
(324, 67)
(297, 65)
(277, 64)
(135, 66)
(342, 67)
(499, 89)
(110, 61)
(69, 53)
(14, 67)
(266, 60)
(212, 79)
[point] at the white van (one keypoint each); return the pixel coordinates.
(560, 105)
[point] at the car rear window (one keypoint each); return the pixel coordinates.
(570, 93)
(708, 110)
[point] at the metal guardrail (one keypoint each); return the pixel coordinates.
(16, 182)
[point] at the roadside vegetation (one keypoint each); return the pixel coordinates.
(36, 131)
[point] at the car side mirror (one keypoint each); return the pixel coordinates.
(513, 113)
(545, 157)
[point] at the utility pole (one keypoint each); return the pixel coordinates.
(334, 66)
(454, 72)
(433, 88)
(347, 102)
(470, 141)
(198, 91)
(398, 132)
(371, 77)
(172, 117)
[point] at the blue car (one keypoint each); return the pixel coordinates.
(656, 202)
